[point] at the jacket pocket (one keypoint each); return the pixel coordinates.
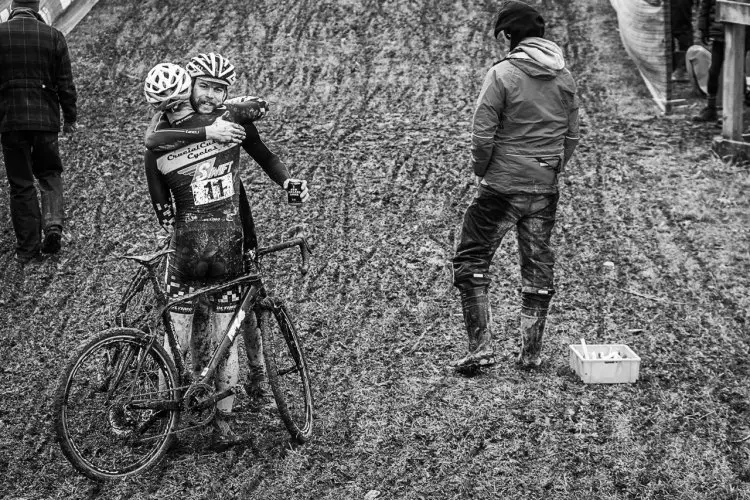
(553, 163)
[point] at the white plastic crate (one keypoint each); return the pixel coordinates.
(605, 371)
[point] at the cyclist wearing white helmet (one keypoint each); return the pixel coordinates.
(210, 238)
(168, 87)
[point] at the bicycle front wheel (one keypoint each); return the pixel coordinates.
(287, 371)
(115, 405)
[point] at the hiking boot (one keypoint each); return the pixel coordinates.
(222, 435)
(477, 318)
(707, 114)
(52, 241)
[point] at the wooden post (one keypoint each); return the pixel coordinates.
(735, 14)
(668, 55)
(734, 81)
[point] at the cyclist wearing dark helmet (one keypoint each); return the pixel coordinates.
(195, 166)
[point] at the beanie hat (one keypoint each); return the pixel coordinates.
(29, 4)
(519, 20)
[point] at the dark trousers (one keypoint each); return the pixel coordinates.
(714, 71)
(682, 23)
(488, 219)
(29, 155)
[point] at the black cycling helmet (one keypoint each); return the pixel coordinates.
(518, 20)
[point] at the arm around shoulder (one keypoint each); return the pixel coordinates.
(247, 109)
(161, 136)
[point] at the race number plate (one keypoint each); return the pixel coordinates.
(211, 190)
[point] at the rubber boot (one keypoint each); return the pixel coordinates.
(477, 318)
(532, 333)
(533, 319)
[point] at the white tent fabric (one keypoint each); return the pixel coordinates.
(645, 33)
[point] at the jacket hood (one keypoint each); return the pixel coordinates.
(538, 58)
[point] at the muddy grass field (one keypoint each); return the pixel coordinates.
(372, 103)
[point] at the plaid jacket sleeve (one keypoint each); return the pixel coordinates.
(66, 89)
(36, 79)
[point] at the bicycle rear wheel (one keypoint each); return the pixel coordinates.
(287, 371)
(112, 410)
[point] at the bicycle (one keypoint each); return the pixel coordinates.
(119, 401)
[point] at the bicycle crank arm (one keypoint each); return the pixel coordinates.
(210, 401)
(158, 405)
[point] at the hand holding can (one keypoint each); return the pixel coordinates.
(296, 191)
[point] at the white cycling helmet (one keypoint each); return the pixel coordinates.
(166, 86)
(212, 67)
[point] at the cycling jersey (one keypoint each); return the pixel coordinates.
(202, 178)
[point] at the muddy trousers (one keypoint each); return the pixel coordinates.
(489, 217)
(682, 23)
(33, 155)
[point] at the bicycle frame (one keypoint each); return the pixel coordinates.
(249, 300)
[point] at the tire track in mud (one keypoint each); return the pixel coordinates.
(598, 149)
(364, 189)
(635, 131)
(375, 111)
(639, 191)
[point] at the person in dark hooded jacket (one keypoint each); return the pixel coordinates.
(525, 130)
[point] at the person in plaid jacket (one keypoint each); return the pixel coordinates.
(36, 81)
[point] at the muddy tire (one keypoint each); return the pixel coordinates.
(287, 371)
(100, 431)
